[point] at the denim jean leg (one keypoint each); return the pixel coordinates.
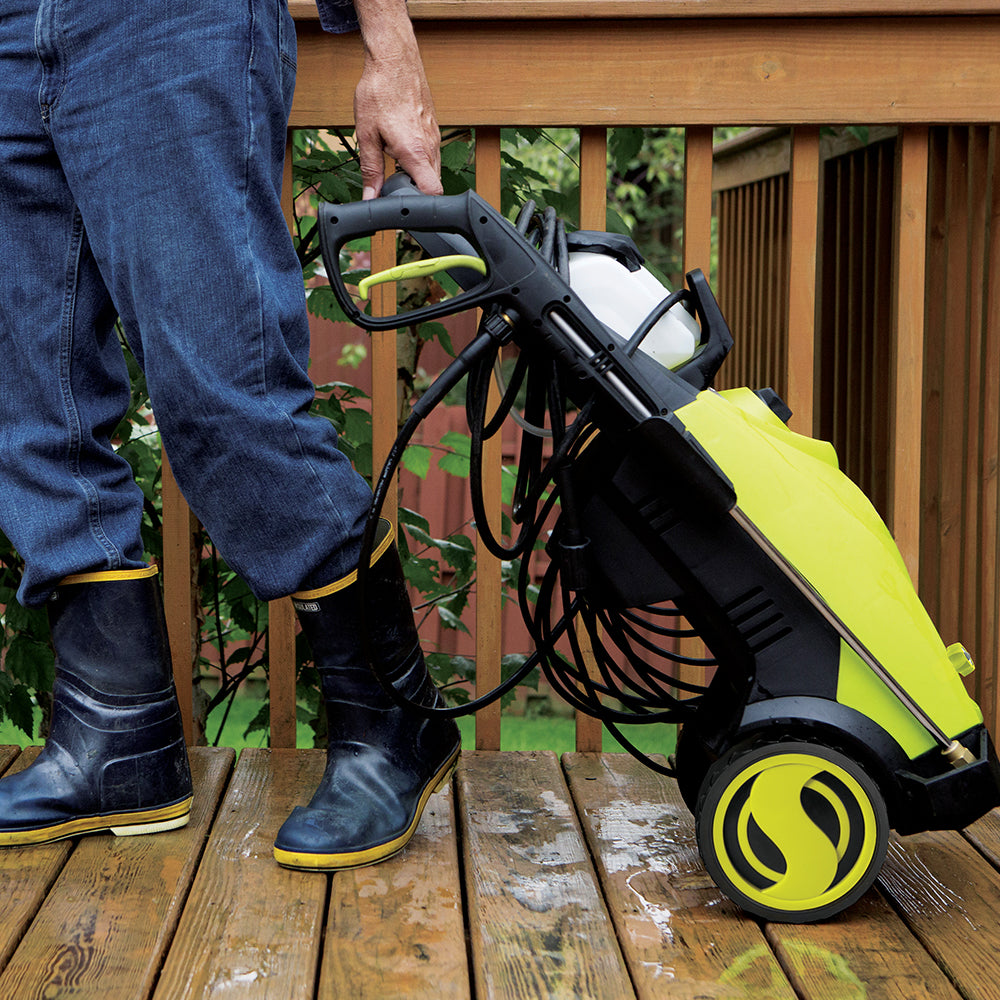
(67, 501)
(171, 129)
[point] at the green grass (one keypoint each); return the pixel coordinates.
(540, 732)
(10, 735)
(516, 732)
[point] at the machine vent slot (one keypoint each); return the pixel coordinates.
(659, 514)
(757, 619)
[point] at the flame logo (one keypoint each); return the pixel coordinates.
(775, 807)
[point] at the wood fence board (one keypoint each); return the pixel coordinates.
(395, 931)
(107, 921)
(251, 928)
(680, 936)
(538, 923)
(949, 895)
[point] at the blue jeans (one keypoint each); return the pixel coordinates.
(141, 151)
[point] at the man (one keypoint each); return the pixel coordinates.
(141, 151)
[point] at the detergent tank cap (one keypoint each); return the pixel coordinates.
(621, 298)
(960, 659)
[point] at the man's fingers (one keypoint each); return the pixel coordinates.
(372, 165)
(426, 175)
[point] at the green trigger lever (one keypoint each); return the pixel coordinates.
(420, 269)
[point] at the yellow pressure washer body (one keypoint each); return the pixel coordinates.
(670, 510)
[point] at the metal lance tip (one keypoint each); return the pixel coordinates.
(957, 755)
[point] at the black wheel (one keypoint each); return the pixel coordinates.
(691, 762)
(791, 832)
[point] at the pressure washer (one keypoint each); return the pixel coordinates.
(672, 513)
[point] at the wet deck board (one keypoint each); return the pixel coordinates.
(531, 877)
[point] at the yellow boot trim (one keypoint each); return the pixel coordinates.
(106, 575)
(125, 824)
(345, 581)
(371, 855)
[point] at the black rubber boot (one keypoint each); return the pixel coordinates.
(115, 758)
(383, 762)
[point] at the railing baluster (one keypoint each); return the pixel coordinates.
(698, 199)
(908, 341)
(698, 166)
(385, 387)
(489, 621)
(280, 614)
(179, 592)
(803, 229)
(593, 215)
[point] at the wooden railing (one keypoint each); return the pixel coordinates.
(854, 362)
(596, 64)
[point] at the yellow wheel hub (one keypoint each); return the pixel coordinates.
(792, 831)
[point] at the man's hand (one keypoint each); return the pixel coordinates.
(393, 109)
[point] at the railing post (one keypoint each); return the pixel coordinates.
(698, 198)
(593, 215)
(179, 593)
(385, 388)
(489, 624)
(698, 167)
(803, 225)
(280, 614)
(908, 341)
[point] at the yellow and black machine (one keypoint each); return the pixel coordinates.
(835, 712)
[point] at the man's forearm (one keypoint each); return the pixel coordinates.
(386, 31)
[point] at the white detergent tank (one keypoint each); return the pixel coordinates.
(621, 299)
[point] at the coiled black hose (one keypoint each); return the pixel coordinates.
(624, 670)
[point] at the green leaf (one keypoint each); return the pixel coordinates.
(32, 622)
(623, 146)
(456, 462)
(20, 711)
(260, 722)
(421, 573)
(459, 552)
(322, 303)
(417, 459)
(454, 465)
(414, 520)
(31, 662)
(450, 620)
(455, 155)
(438, 332)
(458, 442)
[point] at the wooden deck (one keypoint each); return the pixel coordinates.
(530, 878)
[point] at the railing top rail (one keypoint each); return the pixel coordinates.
(470, 10)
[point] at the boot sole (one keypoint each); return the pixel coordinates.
(128, 824)
(371, 855)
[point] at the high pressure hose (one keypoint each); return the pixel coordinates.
(621, 663)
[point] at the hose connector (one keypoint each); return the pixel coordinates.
(958, 755)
